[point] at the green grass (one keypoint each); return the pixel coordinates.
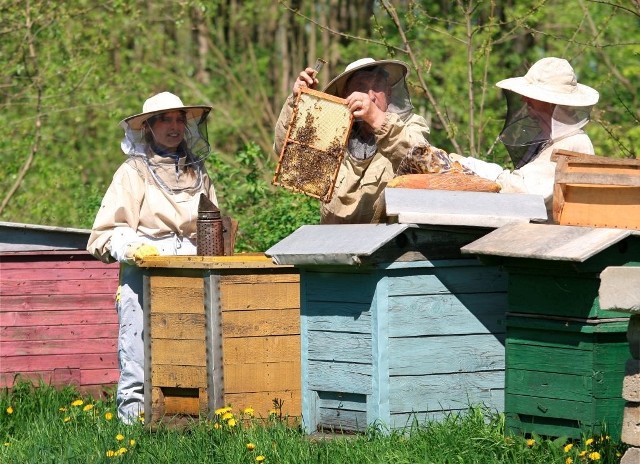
(45, 425)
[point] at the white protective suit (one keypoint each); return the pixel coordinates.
(152, 200)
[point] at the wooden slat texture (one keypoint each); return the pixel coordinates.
(260, 334)
(262, 322)
(58, 321)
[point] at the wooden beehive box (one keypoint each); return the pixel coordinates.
(58, 322)
(395, 324)
(223, 331)
(565, 355)
(314, 145)
(596, 191)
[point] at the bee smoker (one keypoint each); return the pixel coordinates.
(209, 229)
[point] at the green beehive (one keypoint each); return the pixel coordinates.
(565, 356)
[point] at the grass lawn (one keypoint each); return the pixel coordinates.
(45, 425)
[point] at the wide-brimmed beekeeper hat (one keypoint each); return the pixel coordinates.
(395, 70)
(552, 80)
(161, 103)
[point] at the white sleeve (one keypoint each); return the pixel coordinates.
(121, 239)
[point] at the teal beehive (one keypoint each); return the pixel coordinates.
(396, 325)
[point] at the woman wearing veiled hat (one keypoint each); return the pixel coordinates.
(547, 109)
(150, 208)
(384, 132)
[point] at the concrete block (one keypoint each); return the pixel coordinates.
(631, 456)
(631, 381)
(620, 289)
(631, 424)
(633, 336)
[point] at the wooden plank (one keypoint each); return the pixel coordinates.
(260, 296)
(336, 317)
(339, 377)
(261, 377)
(79, 346)
(613, 177)
(65, 332)
(35, 363)
(252, 277)
(546, 241)
(238, 261)
(180, 376)
(179, 352)
(176, 281)
(435, 354)
(551, 385)
(89, 300)
(36, 273)
(261, 349)
(446, 392)
(177, 300)
(337, 420)
(51, 318)
(100, 376)
(412, 316)
(339, 287)
(448, 280)
(352, 347)
(270, 322)
(177, 326)
(73, 287)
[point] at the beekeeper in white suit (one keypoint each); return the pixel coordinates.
(150, 208)
(547, 109)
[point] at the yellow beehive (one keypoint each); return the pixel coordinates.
(596, 191)
(314, 146)
(221, 331)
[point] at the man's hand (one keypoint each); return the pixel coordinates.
(306, 78)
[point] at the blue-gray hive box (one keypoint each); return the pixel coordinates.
(396, 325)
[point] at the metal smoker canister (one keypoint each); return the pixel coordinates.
(209, 229)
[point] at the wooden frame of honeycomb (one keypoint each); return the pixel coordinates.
(315, 144)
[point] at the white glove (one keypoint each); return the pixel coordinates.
(126, 246)
(139, 250)
(489, 171)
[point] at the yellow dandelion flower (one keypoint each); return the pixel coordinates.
(231, 422)
(63, 409)
(582, 454)
(227, 416)
(221, 411)
(141, 418)
(122, 450)
(568, 461)
(251, 446)
(119, 437)
(216, 425)
(589, 441)
(110, 453)
(260, 458)
(7, 444)
(273, 412)
(10, 410)
(108, 416)
(595, 456)
(77, 403)
(531, 442)
(248, 411)
(88, 407)
(568, 447)
(66, 419)
(132, 442)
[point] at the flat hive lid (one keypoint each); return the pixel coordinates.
(463, 208)
(333, 244)
(546, 241)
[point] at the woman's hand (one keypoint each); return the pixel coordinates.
(306, 78)
(365, 109)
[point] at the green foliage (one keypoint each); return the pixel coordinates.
(73, 69)
(265, 214)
